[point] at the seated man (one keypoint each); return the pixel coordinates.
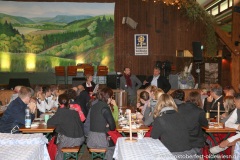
(157, 80)
(211, 102)
(15, 112)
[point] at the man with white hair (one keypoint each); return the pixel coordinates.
(15, 95)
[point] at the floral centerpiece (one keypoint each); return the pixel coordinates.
(185, 78)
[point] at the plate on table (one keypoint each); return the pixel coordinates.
(34, 124)
(38, 119)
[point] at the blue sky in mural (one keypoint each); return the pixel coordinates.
(51, 9)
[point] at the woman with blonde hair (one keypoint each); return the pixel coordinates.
(170, 127)
(148, 114)
(229, 106)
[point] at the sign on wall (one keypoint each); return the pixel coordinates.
(141, 44)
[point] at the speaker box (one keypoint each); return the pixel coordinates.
(13, 82)
(78, 81)
(197, 51)
(113, 81)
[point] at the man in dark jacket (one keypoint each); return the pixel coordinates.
(195, 119)
(211, 102)
(158, 81)
(15, 113)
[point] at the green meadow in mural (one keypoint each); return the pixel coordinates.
(36, 36)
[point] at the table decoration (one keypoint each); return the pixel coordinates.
(218, 111)
(130, 139)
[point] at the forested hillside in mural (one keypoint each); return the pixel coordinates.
(39, 43)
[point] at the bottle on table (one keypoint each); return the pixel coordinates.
(28, 120)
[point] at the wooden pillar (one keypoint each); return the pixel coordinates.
(235, 67)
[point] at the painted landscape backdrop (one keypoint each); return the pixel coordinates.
(63, 35)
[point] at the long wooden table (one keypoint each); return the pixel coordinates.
(219, 130)
(39, 129)
(142, 127)
(225, 130)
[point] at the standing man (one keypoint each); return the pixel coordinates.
(158, 81)
(130, 83)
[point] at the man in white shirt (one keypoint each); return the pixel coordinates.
(48, 100)
(231, 123)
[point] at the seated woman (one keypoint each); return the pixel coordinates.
(101, 121)
(148, 114)
(170, 127)
(68, 126)
(72, 94)
(89, 85)
(144, 101)
(229, 106)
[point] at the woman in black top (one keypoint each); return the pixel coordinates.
(68, 126)
(170, 127)
(101, 121)
(89, 85)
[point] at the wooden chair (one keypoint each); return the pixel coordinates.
(60, 73)
(71, 72)
(81, 66)
(102, 70)
(97, 152)
(89, 70)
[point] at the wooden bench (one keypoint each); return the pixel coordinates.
(97, 152)
(70, 152)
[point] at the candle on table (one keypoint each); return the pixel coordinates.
(130, 124)
(218, 112)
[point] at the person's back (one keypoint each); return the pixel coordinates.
(169, 125)
(195, 119)
(82, 99)
(67, 122)
(68, 126)
(173, 132)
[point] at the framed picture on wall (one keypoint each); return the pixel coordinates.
(211, 73)
(141, 44)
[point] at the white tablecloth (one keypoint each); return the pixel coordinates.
(23, 146)
(146, 148)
